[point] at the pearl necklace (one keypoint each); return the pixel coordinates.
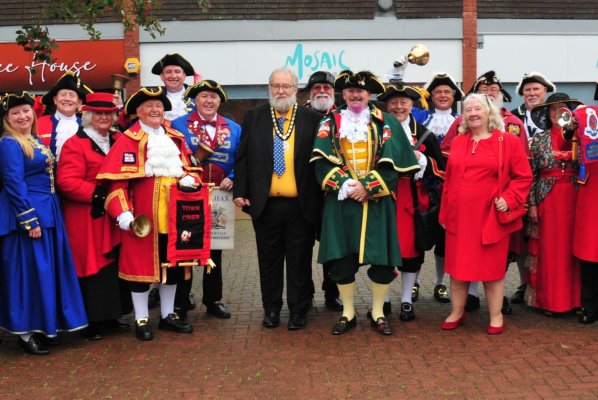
(284, 136)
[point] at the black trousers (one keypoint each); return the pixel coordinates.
(589, 286)
(283, 234)
(173, 275)
(212, 284)
(328, 285)
(343, 271)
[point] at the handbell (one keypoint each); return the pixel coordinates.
(419, 55)
(119, 82)
(141, 226)
(565, 118)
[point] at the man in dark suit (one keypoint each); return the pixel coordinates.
(275, 184)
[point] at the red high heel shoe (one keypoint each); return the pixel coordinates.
(449, 326)
(495, 330)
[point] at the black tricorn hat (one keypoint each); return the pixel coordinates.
(535, 76)
(539, 113)
(360, 80)
(145, 94)
(442, 78)
(11, 100)
(173, 59)
(319, 77)
(68, 81)
(206, 85)
(399, 89)
(490, 78)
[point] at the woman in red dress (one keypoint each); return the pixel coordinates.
(476, 243)
(554, 272)
(92, 233)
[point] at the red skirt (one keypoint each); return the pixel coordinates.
(554, 272)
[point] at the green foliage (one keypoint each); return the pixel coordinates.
(35, 39)
(132, 13)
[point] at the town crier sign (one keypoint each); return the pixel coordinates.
(93, 60)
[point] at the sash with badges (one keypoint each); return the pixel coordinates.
(587, 132)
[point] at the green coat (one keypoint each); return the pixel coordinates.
(368, 229)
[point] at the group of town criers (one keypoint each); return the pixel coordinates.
(351, 174)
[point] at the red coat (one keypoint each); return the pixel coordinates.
(513, 125)
(476, 243)
(92, 239)
(131, 190)
(585, 244)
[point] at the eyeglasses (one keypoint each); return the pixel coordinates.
(485, 90)
(285, 88)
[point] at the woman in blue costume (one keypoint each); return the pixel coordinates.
(39, 291)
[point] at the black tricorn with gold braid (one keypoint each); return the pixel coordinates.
(361, 80)
(145, 94)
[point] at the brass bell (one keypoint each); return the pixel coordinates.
(141, 226)
(419, 55)
(118, 83)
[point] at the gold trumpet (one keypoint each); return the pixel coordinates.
(141, 226)
(119, 82)
(419, 55)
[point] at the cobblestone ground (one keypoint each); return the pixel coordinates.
(538, 357)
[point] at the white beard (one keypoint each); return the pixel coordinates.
(283, 105)
(321, 103)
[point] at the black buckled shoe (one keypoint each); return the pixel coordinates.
(506, 307)
(415, 292)
(381, 326)
(441, 293)
(472, 303)
(218, 309)
(143, 330)
(587, 317)
(333, 304)
(407, 313)
(34, 346)
(297, 321)
(519, 295)
(173, 323)
(343, 325)
(271, 319)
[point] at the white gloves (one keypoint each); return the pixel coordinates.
(187, 181)
(124, 220)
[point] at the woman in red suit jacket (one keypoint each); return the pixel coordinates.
(476, 243)
(92, 234)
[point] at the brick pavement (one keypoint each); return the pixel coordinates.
(537, 357)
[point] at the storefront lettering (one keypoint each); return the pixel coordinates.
(319, 60)
(42, 67)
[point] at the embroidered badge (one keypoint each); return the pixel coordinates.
(591, 128)
(386, 133)
(514, 129)
(324, 130)
(129, 158)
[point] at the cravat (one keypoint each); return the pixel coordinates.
(279, 166)
(204, 123)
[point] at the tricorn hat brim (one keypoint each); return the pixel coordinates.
(68, 81)
(144, 94)
(206, 85)
(173, 59)
(361, 80)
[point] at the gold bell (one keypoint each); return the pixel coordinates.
(141, 226)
